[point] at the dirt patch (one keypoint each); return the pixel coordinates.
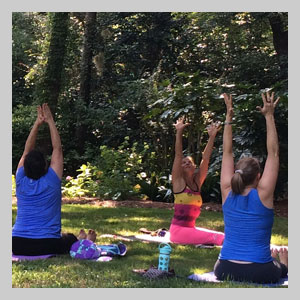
(280, 207)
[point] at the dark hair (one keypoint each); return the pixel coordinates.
(248, 168)
(35, 164)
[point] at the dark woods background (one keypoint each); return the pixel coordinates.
(117, 82)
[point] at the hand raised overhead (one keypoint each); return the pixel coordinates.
(47, 113)
(213, 128)
(40, 116)
(180, 125)
(269, 104)
(228, 102)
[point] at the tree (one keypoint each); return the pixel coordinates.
(87, 56)
(280, 40)
(129, 75)
(51, 82)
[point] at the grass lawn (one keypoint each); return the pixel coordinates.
(63, 271)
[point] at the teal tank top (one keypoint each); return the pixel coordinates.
(248, 227)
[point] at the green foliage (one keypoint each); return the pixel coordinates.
(85, 184)
(119, 168)
(155, 192)
(156, 67)
(22, 120)
(113, 175)
(120, 174)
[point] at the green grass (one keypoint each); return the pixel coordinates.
(63, 271)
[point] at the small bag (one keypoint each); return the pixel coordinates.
(86, 249)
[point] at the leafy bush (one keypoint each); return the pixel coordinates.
(118, 174)
(157, 188)
(119, 169)
(85, 184)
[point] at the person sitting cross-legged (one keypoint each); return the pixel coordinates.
(37, 228)
(247, 202)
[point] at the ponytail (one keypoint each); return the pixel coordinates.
(237, 183)
(245, 174)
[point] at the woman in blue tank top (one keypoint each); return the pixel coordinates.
(247, 200)
(37, 229)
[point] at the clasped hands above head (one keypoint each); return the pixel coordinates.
(43, 114)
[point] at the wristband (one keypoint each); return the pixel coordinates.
(228, 123)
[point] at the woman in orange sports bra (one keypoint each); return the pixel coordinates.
(186, 189)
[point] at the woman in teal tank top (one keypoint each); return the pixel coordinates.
(247, 200)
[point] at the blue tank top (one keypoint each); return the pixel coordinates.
(248, 227)
(38, 206)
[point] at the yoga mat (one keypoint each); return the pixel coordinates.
(210, 277)
(140, 237)
(25, 257)
(147, 238)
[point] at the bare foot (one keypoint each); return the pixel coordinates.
(82, 234)
(274, 253)
(92, 235)
(283, 256)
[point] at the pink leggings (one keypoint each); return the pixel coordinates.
(195, 235)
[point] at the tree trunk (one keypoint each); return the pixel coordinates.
(280, 41)
(52, 81)
(86, 77)
(87, 57)
(157, 40)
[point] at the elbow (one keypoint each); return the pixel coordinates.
(274, 151)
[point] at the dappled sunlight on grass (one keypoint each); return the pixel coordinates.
(113, 220)
(199, 270)
(279, 240)
(63, 271)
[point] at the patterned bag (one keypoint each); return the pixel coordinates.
(86, 249)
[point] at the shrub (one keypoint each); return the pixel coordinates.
(119, 169)
(85, 184)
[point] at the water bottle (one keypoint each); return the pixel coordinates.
(164, 256)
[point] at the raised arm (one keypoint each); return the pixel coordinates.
(177, 179)
(212, 130)
(227, 169)
(30, 142)
(267, 183)
(57, 155)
